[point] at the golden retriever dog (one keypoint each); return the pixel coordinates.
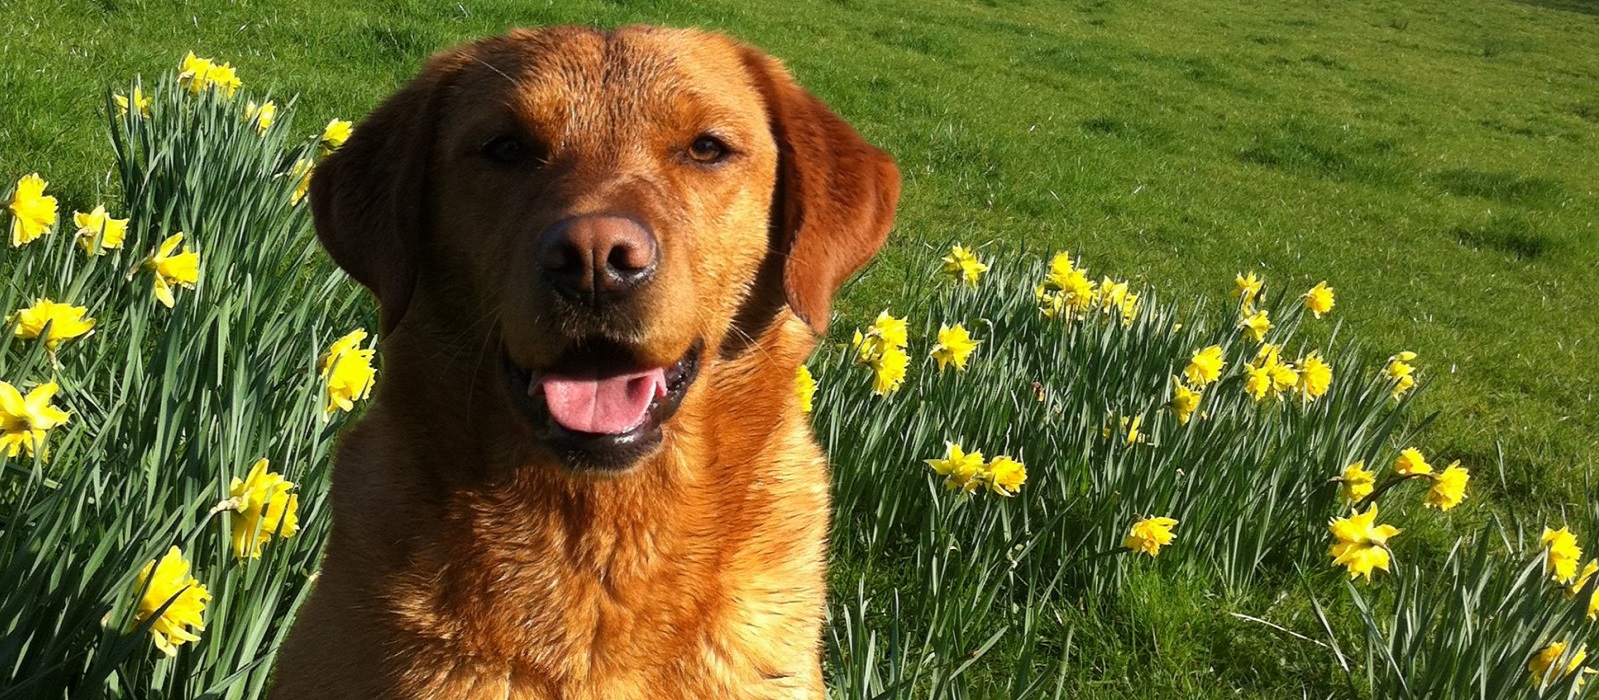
(600, 258)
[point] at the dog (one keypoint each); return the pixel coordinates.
(599, 259)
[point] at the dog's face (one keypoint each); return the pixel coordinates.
(607, 213)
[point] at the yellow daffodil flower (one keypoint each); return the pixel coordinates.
(1400, 373)
(1411, 463)
(1361, 544)
(1315, 376)
(887, 335)
(1205, 367)
(64, 320)
(963, 471)
(888, 370)
(962, 265)
(1051, 303)
(26, 420)
(1256, 325)
(347, 369)
(181, 270)
(139, 102)
(262, 115)
(1184, 401)
(98, 232)
(261, 506)
(1544, 669)
(1129, 428)
(1246, 288)
(1356, 483)
(198, 74)
(1005, 476)
(33, 212)
(954, 346)
(1563, 554)
(1257, 382)
(1060, 268)
(164, 581)
(1319, 300)
(804, 387)
(1149, 535)
(1448, 487)
(301, 175)
(334, 135)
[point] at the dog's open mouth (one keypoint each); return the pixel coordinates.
(596, 408)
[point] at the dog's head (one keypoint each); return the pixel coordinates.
(596, 218)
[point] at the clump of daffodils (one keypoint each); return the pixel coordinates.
(1066, 291)
(168, 584)
(1268, 376)
(1400, 374)
(882, 347)
(967, 472)
(200, 74)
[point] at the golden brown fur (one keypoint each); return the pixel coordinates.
(467, 561)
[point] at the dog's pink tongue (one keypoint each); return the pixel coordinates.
(610, 405)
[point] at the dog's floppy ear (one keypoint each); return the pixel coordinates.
(368, 198)
(835, 192)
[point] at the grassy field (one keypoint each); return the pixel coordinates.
(1436, 163)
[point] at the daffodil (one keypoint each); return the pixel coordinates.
(1563, 554)
(1580, 581)
(1411, 463)
(1545, 670)
(65, 322)
(261, 506)
(1184, 400)
(1319, 300)
(886, 332)
(954, 346)
(961, 470)
(180, 270)
(1315, 376)
(804, 387)
(1149, 535)
(167, 584)
(888, 370)
(1129, 429)
(1257, 382)
(1246, 288)
(1283, 376)
(347, 369)
(1205, 366)
(98, 232)
(1361, 545)
(26, 420)
(962, 265)
(334, 135)
(1060, 267)
(1065, 288)
(1356, 483)
(1448, 487)
(1256, 325)
(1005, 476)
(262, 115)
(198, 74)
(139, 102)
(32, 211)
(301, 175)
(1051, 303)
(1400, 373)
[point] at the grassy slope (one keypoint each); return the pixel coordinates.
(1435, 164)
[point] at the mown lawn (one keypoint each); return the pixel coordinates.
(1436, 163)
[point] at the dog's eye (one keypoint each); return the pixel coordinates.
(708, 149)
(508, 150)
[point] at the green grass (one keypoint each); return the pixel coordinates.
(1434, 163)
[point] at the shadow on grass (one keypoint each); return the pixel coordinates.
(1511, 188)
(1507, 233)
(1587, 7)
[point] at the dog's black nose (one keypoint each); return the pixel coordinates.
(596, 257)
